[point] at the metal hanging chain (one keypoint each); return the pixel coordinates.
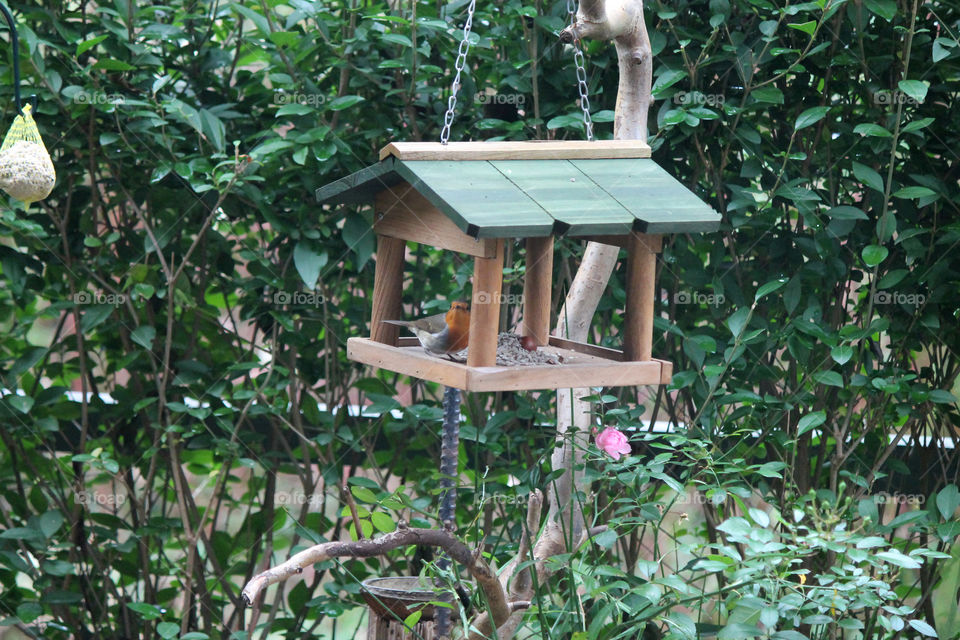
(581, 73)
(461, 61)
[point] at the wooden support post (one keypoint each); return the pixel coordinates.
(537, 288)
(485, 309)
(387, 289)
(642, 250)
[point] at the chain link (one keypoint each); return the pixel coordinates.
(461, 61)
(581, 73)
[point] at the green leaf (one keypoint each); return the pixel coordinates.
(606, 539)
(84, 45)
(811, 115)
(738, 320)
(808, 28)
(109, 64)
(941, 48)
(309, 262)
(344, 102)
(868, 176)
(397, 38)
(143, 336)
(285, 38)
(769, 288)
(29, 611)
(22, 403)
(145, 610)
(94, 315)
(916, 89)
(871, 542)
(924, 628)
(759, 516)
(382, 522)
(948, 499)
(167, 630)
(810, 421)
(364, 495)
(668, 78)
(739, 631)
(50, 523)
(941, 396)
(908, 193)
(846, 212)
(874, 254)
(21, 533)
(916, 125)
(829, 378)
(872, 130)
(886, 9)
(894, 556)
(411, 620)
(841, 354)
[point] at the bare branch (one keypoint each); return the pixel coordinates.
(402, 537)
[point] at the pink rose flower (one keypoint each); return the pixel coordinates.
(613, 442)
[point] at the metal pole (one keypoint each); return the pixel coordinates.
(449, 450)
(15, 41)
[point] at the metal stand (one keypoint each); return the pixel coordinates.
(448, 499)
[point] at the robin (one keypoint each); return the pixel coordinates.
(444, 333)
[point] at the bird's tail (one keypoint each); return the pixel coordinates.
(399, 323)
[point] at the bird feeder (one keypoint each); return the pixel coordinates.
(471, 197)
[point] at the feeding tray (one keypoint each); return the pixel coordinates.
(470, 197)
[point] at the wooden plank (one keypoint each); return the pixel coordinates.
(613, 241)
(485, 309)
(413, 362)
(478, 198)
(666, 371)
(537, 289)
(360, 187)
(659, 202)
(570, 197)
(613, 374)
(589, 349)
(519, 150)
(641, 288)
(387, 289)
(580, 370)
(404, 213)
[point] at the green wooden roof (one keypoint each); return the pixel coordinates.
(526, 198)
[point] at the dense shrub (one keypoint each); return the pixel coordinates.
(172, 356)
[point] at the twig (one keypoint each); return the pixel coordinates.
(348, 496)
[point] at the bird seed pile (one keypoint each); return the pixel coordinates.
(511, 353)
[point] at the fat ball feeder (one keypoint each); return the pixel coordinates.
(26, 170)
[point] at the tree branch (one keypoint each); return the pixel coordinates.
(485, 577)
